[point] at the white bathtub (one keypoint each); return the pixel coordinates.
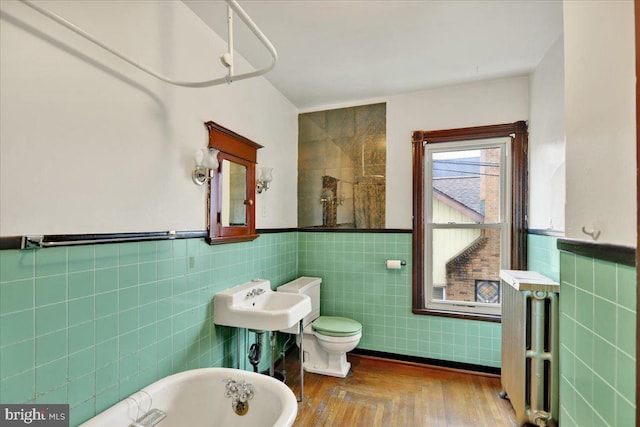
(196, 398)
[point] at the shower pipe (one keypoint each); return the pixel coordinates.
(226, 58)
(33, 242)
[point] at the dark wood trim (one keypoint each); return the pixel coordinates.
(10, 242)
(237, 238)
(552, 233)
(275, 230)
(619, 254)
(520, 203)
(520, 196)
(469, 133)
(14, 242)
(355, 230)
(417, 253)
(239, 150)
(469, 367)
(637, 33)
(232, 143)
(495, 318)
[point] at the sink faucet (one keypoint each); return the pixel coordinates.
(255, 292)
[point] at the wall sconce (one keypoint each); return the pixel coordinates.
(262, 183)
(206, 163)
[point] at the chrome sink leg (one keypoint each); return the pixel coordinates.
(273, 354)
(238, 347)
(301, 355)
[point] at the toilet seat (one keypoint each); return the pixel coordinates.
(336, 326)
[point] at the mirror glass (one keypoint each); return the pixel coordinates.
(234, 193)
(341, 168)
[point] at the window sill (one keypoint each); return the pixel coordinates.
(458, 315)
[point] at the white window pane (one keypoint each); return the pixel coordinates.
(466, 262)
(438, 294)
(466, 186)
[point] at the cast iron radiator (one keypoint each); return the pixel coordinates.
(530, 346)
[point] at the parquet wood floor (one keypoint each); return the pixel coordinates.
(382, 393)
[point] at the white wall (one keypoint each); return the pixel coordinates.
(487, 102)
(547, 142)
(474, 104)
(600, 119)
(88, 144)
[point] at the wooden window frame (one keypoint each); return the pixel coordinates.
(519, 203)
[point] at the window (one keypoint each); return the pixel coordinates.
(466, 222)
(469, 204)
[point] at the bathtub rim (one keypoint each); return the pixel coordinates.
(286, 418)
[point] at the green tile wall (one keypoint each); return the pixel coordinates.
(356, 284)
(89, 325)
(543, 255)
(597, 342)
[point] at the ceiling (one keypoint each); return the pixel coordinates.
(333, 52)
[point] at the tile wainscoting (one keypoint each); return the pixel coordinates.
(597, 342)
(356, 284)
(90, 325)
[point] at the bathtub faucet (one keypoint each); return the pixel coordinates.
(238, 391)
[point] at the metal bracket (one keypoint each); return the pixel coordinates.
(31, 242)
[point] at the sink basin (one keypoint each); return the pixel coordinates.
(254, 305)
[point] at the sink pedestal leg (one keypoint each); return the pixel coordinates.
(273, 354)
(238, 347)
(301, 356)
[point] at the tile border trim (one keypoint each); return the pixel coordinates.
(448, 364)
(14, 242)
(625, 255)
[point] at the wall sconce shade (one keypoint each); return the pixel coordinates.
(262, 183)
(206, 163)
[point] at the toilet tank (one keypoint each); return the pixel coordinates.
(309, 286)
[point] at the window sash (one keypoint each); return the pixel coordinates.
(503, 224)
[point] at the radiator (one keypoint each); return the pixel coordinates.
(530, 346)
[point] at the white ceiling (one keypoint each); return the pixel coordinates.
(334, 52)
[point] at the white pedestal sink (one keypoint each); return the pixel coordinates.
(254, 305)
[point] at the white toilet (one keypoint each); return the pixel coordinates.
(326, 339)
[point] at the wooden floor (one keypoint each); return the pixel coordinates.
(385, 393)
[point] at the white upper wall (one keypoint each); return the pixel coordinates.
(488, 102)
(547, 142)
(474, 104)
(600, 120)
(89, 144)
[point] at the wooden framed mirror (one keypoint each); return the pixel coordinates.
(231, 201)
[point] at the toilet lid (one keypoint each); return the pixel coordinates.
(336, 326)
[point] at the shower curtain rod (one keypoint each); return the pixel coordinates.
(227, 58)
(52, 241)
